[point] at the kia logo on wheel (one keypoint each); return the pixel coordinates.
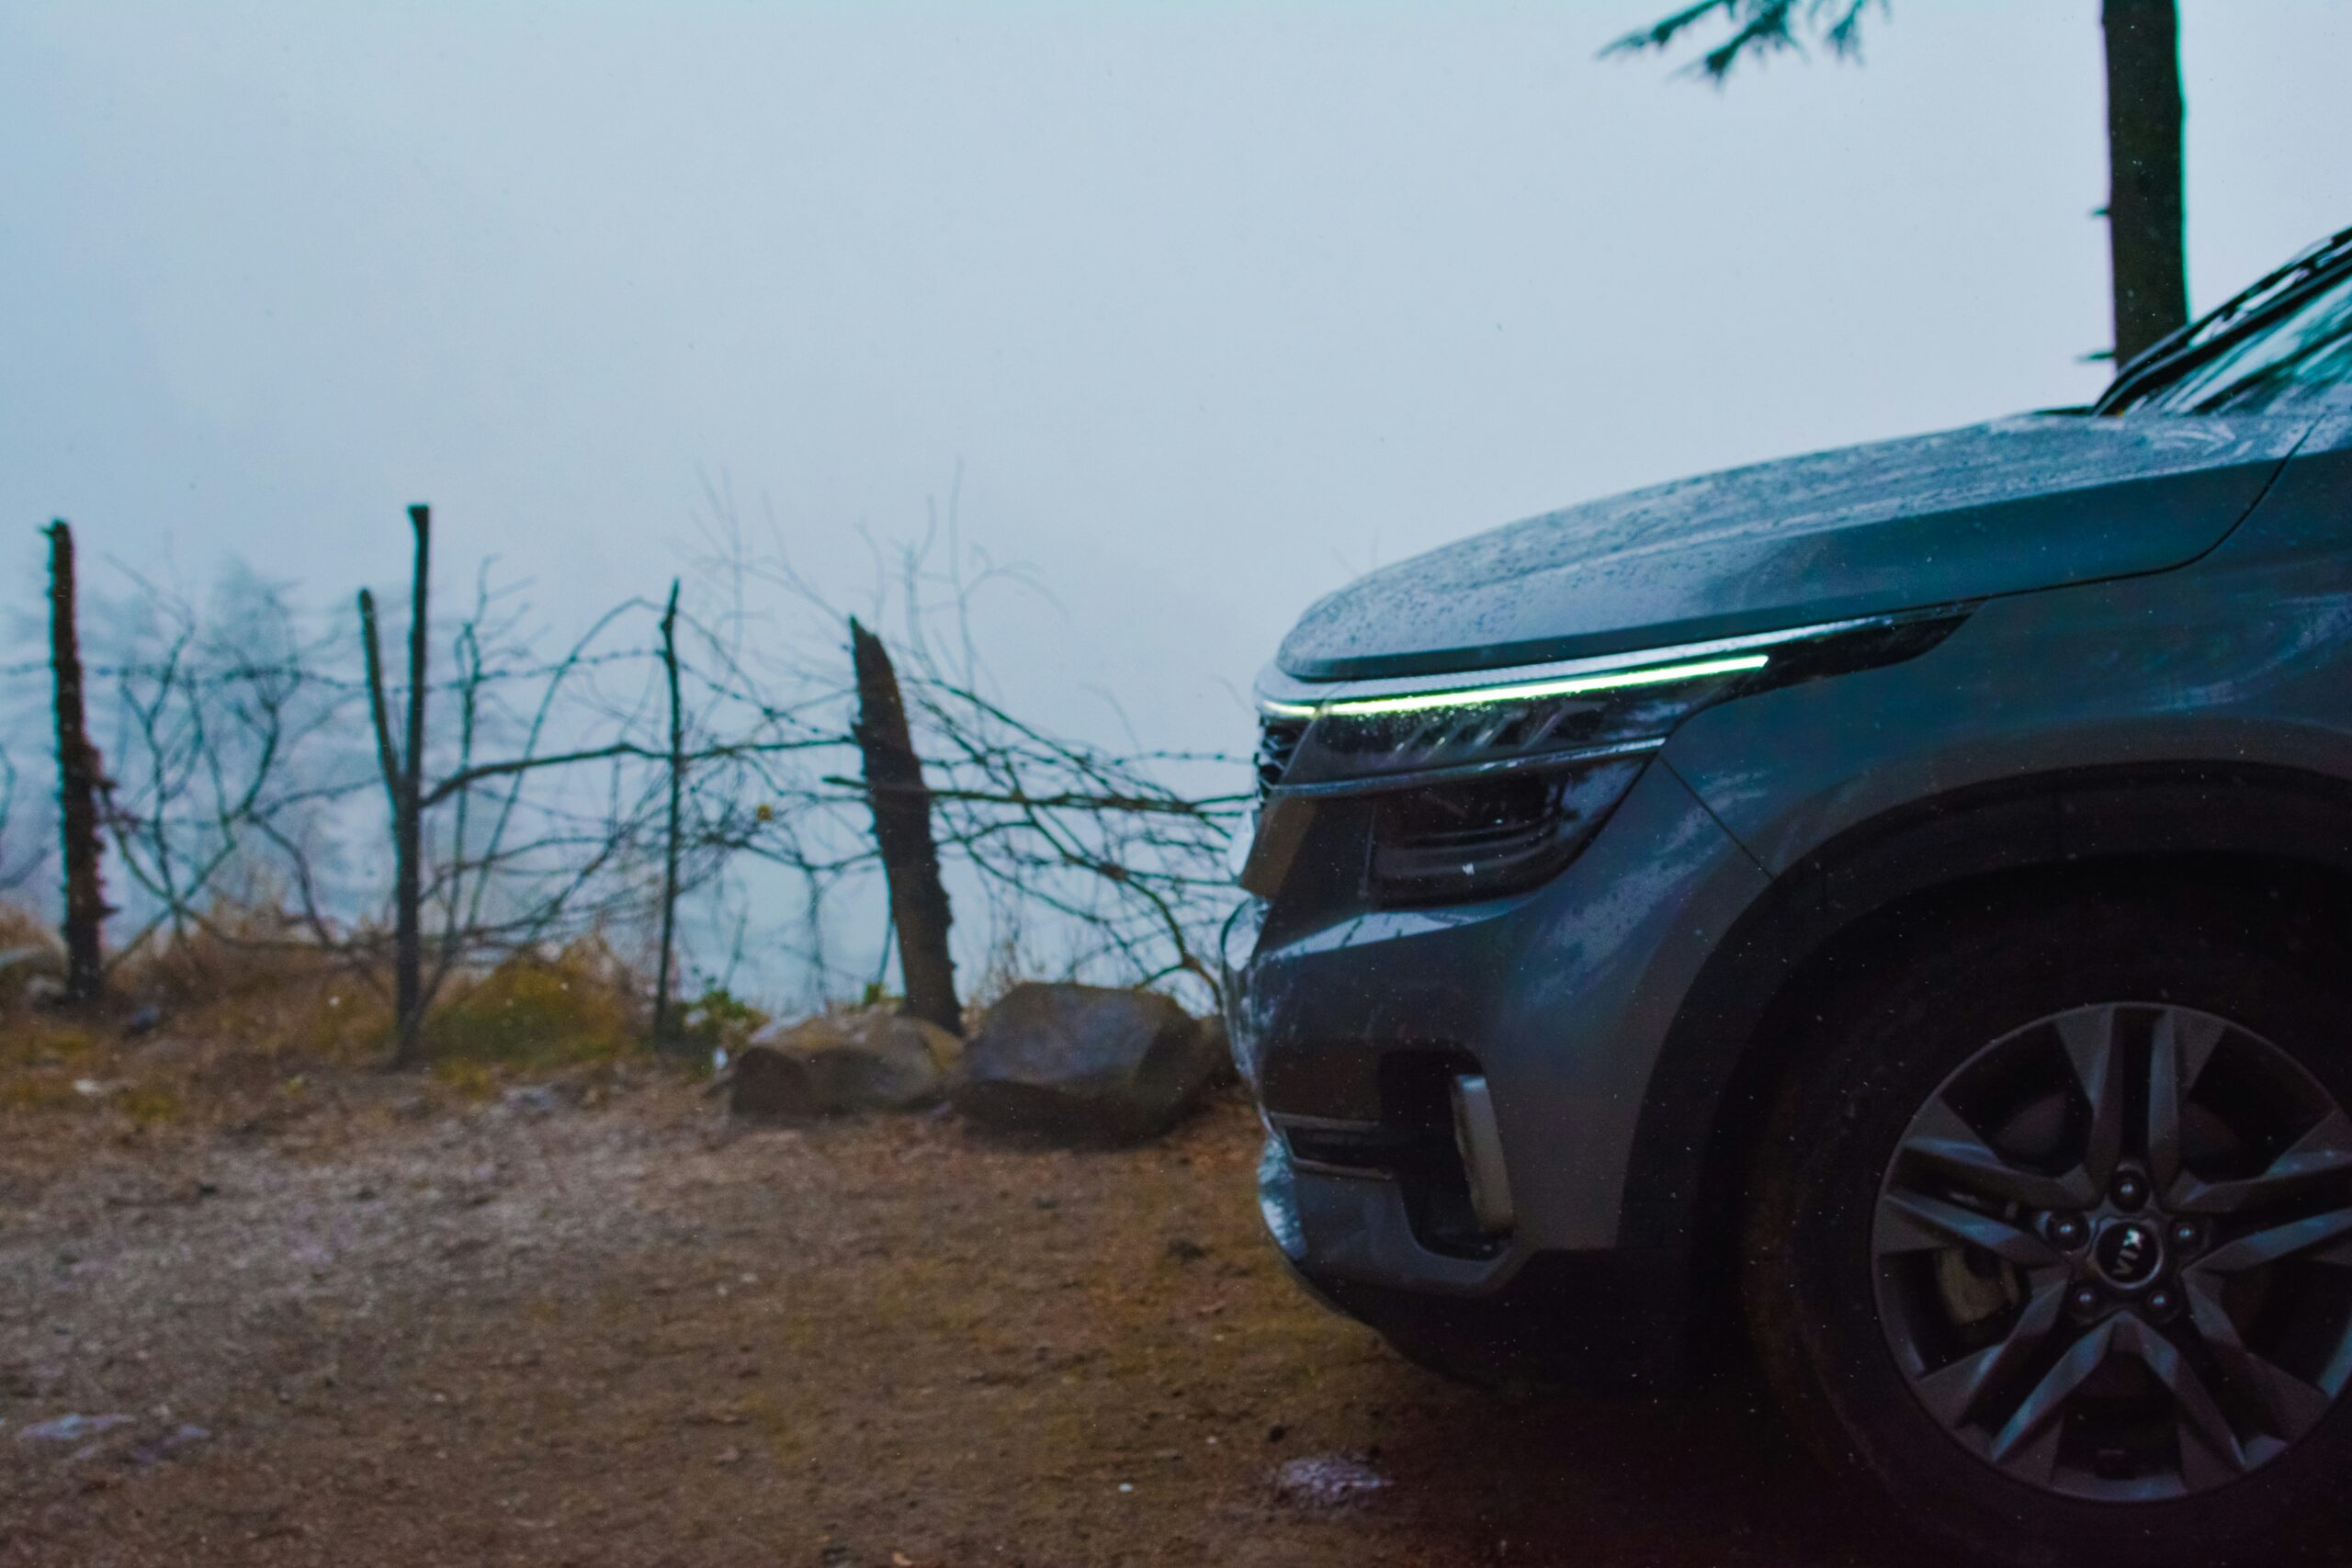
(2127, 1253)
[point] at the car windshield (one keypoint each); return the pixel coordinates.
(2297, 354)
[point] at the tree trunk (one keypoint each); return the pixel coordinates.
(663, 1032)
(2144, 204)
(80, 778)
(902, 831)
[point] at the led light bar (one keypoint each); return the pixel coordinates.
(1474, 697)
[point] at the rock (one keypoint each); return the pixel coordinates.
(768, 1085)
(839, 1063)
(156, 1451)
(165, 1051)
(144, 1019)
(1327, 1480)
(1216, 1041)
(34, 974)
(531, 1100)
(70, 1429)
(32, 960)
(1085, 1065)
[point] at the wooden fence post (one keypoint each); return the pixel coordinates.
(408, 940)
(79, 779)
(661, 1030)
(902, 832)
(404, 769)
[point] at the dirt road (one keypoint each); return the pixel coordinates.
(540, 1334)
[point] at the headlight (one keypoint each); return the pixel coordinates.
(1386, 741)
(1467, 787)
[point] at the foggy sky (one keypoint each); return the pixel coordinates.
(1212, 305)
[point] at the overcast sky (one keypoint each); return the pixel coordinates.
(1214, 305)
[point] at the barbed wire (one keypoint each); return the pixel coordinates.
(241, 782)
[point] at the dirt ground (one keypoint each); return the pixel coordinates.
(404, 1331)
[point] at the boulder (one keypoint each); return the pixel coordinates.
(839, 1063)
(1218, 1045)
(32, 975)
(1086, 1065)
(35, 959)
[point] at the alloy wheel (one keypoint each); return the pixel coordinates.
(2112, 1253)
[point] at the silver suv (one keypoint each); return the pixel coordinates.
(1899, 897)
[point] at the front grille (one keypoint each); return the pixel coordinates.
(1278, 741)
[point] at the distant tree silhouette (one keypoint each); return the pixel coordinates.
(2144, 209)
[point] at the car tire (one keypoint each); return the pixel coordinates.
(1862, 1320)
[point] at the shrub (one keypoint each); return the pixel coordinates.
(717, 1019)
(534, 1011)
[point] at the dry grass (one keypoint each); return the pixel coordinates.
(241, 980)
(233, 1024)
(559, 1011)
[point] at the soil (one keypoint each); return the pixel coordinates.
(545, 1332)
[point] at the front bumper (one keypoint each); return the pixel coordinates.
(1560, 998)
(1614, 1318)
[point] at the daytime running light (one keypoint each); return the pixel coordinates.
(1569, 687)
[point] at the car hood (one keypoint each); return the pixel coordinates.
(2021, 503)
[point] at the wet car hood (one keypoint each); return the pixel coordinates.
(2017, 504)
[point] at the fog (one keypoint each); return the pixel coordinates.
(1191, 312)
(1211, 307)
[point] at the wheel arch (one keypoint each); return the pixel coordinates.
(2263, 842)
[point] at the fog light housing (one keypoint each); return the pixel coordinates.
(1479, 1138)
